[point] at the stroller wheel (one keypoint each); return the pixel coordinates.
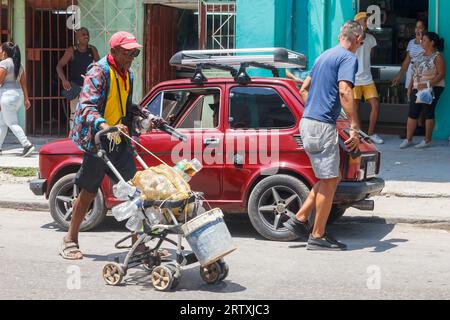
(212, 273)
(225, 269)
(176, 273)
(162, 278)
(113, 274)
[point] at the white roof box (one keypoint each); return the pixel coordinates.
(267, 58)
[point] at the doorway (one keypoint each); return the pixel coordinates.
(167, 30)
(47, 38)
(398, 20)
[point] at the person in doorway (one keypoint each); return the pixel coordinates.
(365, 86)
(13, 95)
(327, 90)
(106, 100)
(78, 57)
(425, 88)
(413, 52)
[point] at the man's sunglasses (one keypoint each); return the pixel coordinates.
(132, 53)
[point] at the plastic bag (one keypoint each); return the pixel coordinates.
(163, 183)
(425, 96)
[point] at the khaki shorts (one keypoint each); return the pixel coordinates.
(321, 143)
(369, 92)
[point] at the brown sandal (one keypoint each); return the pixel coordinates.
(71, 251)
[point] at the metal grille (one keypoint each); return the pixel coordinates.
(219, 23)
(47, 38)
(103, 18)
(299, 140)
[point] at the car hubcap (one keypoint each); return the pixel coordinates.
(277, 205)
(65, 201)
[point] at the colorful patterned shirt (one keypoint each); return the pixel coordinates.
(92, 105)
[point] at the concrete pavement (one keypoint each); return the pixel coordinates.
(384, 261)
(413, 178)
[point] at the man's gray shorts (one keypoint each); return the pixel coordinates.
(321, 143)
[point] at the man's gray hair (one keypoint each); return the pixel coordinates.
(351, 30)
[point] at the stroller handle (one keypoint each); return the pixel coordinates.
(101, 133)
(174, 133)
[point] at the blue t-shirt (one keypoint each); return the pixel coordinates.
(334, 65)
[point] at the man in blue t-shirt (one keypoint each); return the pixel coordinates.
(329, 86)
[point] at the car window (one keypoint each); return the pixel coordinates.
(169, 103)
(204, 114)
(258, 108)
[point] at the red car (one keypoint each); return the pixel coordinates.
(247, 136)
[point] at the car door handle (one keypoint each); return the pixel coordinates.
(208, 142)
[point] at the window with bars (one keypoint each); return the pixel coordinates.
(5, 20)
(218, 24)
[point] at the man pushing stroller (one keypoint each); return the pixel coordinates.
(105, 100)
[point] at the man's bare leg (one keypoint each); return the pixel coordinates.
(80, 209)
(410, 128)
(309, 204)
(324, 201)
(429, 130)
(375, 109)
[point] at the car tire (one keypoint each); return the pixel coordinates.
(61, 201)
(261, 198)
(335, 214)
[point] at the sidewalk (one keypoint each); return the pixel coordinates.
(414, 178)
(12, 151)
(415, 173)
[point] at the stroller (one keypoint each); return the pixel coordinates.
(165, 273)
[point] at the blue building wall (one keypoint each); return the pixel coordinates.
(442, 27)
(272, 23)
(312, 26)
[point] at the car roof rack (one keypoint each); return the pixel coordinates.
(230, 59)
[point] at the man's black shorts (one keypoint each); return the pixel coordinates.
(93, 169)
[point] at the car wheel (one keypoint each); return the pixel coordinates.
(62, 198)
(273, 201)
(336, 213)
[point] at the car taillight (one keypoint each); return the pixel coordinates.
(353, 168)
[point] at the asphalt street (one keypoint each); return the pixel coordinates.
(384, 261)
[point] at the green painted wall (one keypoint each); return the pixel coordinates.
(442, 130)
(272, 24)
(105, 17)
(19, 38)
(102, 18)
(256, 26)
(324, 22)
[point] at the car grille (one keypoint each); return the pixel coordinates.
(299, 141)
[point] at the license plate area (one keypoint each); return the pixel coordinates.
(371, 169)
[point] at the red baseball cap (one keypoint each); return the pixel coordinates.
(124, 40)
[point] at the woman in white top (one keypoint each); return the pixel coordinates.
(428, 72)
(13, 95)
(413, 52)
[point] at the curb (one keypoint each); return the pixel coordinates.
(31, 206)
(433, 223)
(415, 195)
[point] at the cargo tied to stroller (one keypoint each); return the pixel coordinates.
(158, 202)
